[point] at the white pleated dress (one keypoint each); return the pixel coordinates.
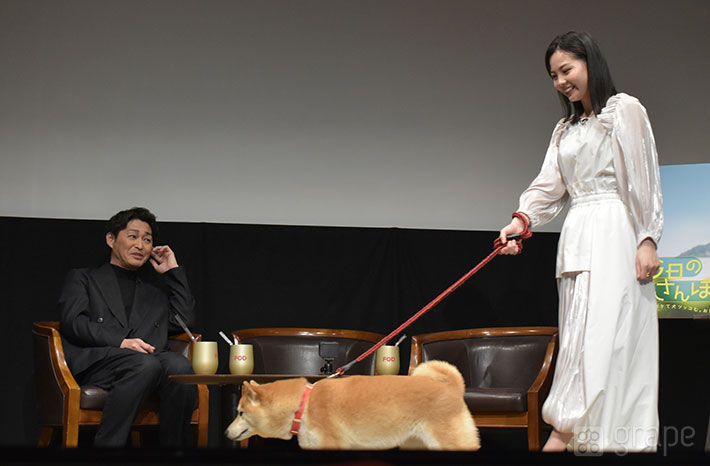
(605, 386)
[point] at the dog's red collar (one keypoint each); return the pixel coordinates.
(296, 424)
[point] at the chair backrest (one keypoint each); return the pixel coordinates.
(296, 350)
(490, 358)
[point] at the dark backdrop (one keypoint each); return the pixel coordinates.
(373, 279)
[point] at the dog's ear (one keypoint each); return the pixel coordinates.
(251, 391)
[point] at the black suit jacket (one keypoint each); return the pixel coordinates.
(93, 318)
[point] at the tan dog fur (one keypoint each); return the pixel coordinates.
(424, 410)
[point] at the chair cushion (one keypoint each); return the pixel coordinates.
(480, 400)
(93, 397)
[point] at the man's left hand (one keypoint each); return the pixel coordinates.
(162, 258)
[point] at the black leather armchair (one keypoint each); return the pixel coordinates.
(63, 404)
(507, 371)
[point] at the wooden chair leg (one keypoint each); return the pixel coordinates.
(135, 438)
(45, 436)
(534, 432)
(203, 416)
(70, 435)
(202, 432)
(70, 426)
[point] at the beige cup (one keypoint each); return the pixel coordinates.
(205, 358)
(241, 359)
(387, 362)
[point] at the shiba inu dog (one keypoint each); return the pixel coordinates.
(425, 410)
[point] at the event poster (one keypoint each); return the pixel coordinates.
(683, 281)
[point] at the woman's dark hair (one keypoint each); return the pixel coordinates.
(601, 85)
(119, 221)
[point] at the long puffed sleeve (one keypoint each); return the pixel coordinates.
(636, 164)
(547, 194)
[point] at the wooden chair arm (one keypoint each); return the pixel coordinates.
(186, 337)
(543, 377)
(415, 354)
(67, 384)
(59, 361)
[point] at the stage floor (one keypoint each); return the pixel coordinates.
(152, 456)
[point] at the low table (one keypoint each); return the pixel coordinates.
(231, 392)
(233, 379)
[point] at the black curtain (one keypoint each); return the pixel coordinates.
(246, 276)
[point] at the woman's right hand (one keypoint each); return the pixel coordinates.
(514, 227)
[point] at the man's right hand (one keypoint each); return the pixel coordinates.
(136, 344)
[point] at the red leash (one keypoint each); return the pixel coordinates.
(497, 245)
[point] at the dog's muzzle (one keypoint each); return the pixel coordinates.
(238, 437)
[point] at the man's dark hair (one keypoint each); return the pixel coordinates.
(119, 221)
(601, 85)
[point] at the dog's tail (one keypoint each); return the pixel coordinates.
(441, 371)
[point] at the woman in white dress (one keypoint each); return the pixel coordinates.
(602, 160)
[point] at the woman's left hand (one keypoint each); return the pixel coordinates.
(647, 262)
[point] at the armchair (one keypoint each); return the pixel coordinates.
(64, 404)
(508, 372)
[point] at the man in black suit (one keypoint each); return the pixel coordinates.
(114, 324)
